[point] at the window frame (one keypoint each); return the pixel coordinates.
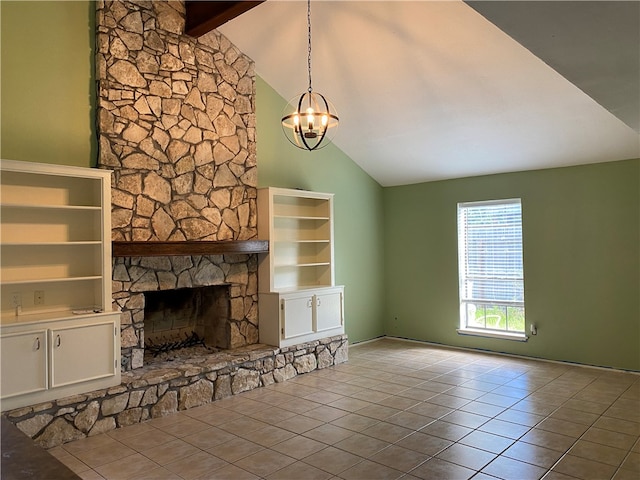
(476, 330)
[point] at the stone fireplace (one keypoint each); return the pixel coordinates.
(176, 126)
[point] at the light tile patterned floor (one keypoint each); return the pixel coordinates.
(395, 410)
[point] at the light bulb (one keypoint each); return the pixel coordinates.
(310, 118)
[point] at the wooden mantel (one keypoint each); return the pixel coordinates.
(159, 249)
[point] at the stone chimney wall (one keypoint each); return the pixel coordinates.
(176, 125)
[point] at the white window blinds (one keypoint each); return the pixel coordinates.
(490, 264)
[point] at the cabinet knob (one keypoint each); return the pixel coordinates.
(37, 343)
(58, 340)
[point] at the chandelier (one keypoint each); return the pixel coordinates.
(309, 117)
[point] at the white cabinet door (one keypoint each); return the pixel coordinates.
(297, 315)
(290, 318)
(82, 353)
(328, 310)
(24, 363)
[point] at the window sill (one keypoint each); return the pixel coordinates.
(518, 337)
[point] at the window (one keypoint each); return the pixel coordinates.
(490, 267)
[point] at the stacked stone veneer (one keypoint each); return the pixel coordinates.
(153, 392)
(176, 125)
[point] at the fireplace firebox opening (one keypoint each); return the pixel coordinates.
(185, 322)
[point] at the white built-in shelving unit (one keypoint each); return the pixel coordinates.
(298, 298)
(55, 282)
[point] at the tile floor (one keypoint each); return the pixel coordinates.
(395, 410)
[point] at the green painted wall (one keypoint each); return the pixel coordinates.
(581, 236)
(47, 88)
(358, 207)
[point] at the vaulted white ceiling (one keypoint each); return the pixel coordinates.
(431, 90)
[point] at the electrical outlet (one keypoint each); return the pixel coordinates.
(16, 299)
(38, 297)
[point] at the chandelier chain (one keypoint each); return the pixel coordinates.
(309, 46)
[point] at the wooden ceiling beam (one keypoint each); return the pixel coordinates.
(204, 16)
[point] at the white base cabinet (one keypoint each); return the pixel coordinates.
(44, 361)
(301, 316)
